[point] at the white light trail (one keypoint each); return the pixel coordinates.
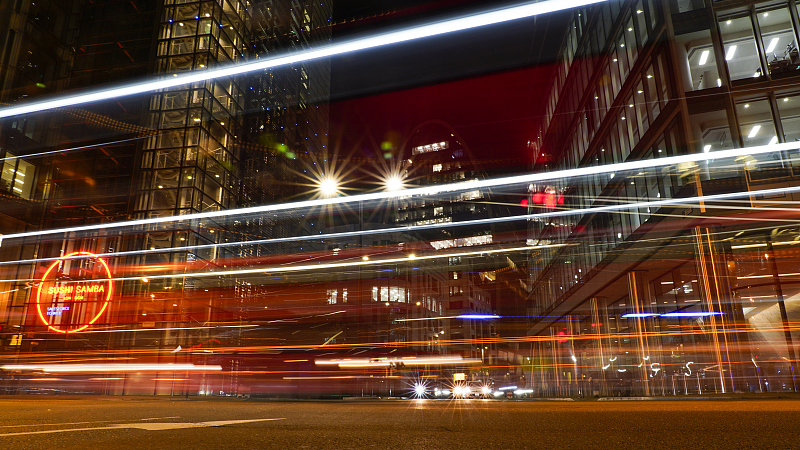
(436, 190)
(379, 40)
(308, 267)
(72, 149)
(368, 261)
(335, 265)
(76, 368)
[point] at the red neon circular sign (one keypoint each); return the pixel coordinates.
(65, 306)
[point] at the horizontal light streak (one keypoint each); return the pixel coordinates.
(685, 330)
(75, 368)
(749, 277)
(736, 247)
(692, 314)
(308, 267)
(134, 330)
(425, 318)
(428, 226)
(672, 314)
(370, 42)
(456, 187)
(403, 361)
(72, 149)
(478, 316)
(341, 377)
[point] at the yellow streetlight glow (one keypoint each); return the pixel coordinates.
(328, 186)
(394, 183)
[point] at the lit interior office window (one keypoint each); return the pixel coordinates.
(17, 177)
(757, 128)
(713, 130)
(755, 122)
(789, 108)
(779, 41)
(741, 53)
(702, 65)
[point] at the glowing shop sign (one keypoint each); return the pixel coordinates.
(56, 310)
(74, 292)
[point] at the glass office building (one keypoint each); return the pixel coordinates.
(677, 297)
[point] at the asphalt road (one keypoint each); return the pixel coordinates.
(124, 423)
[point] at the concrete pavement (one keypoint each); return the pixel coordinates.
(42, 422)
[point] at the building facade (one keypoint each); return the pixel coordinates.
(675, 299)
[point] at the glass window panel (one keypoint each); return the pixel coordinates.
(631, 45)
(789, 110)
(755, 121)
(188, 177)
(605, 90)
(686, 5)
(713, 130)
(652, 91)
(741, 54)
(185, 12)
(663, 80)
(615, 77)
(622, 57)
(166, 178)
(186, 28)
(641, 22)
(641, 108)
(652, 11)
(167, 158)
(632, 125)
(703, 71)
(624, 143)
(779, 41)
(185, 199)
(17, 177)
(163, 199)
(757, 128)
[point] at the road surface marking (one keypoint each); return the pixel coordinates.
(78, 423)
(151, 426)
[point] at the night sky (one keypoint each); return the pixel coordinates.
(490, 84)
